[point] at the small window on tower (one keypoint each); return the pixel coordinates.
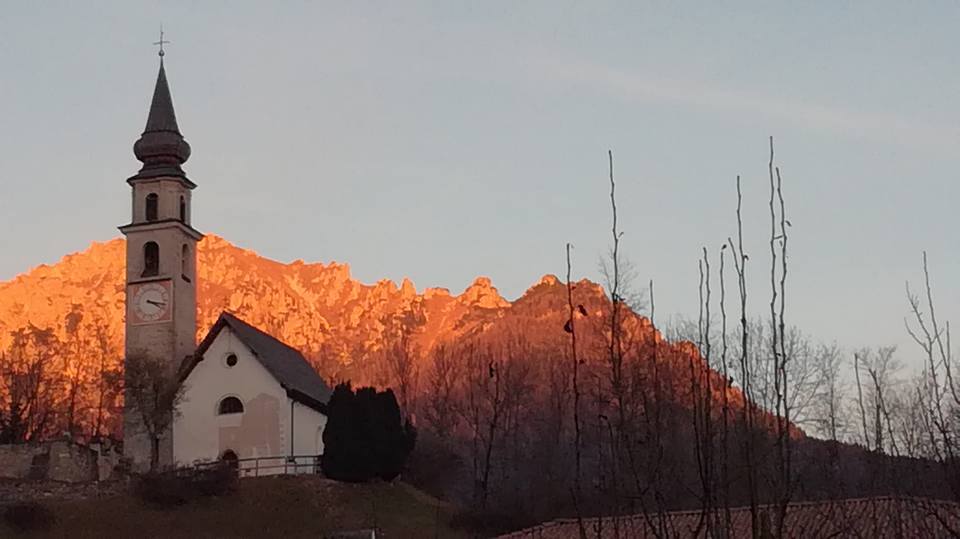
(183, 210)
(152, 203)
(185, 262)
(151, 259)
(231, 360)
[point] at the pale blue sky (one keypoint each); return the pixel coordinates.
(443, 140)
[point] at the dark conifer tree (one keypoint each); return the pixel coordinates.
(365, 436)
(339, 436)
(393, 438)
(365, 425)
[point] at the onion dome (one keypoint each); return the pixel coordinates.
(161, 147)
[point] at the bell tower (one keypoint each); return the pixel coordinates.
(161, 299)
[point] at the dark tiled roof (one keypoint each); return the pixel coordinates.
(885, 517)
(286, 364)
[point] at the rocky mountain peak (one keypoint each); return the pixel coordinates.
(481, 293)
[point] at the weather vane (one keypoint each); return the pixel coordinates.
(161, 42)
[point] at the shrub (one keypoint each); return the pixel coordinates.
(432, 464)
(365, 437)
(178, 487)
(28, 516)
(163, 489)
(218, 480)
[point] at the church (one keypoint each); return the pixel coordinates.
(247, 397)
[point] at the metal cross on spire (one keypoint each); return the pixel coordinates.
(161, 42)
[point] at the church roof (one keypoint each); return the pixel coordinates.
(886, 516)
(284, 363)
(161, 147)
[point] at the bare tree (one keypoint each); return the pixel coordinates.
(725, 417)
(439, 408)
(875, 372)
(747, 422)
(109, 383)
(401, 356)
(28, 386)
(155, 393)
(702, 401)
(827, 413)
(73, 369)
(781, 360)
(482, 410)
(653, 408)
(570, 327)
(615, 350)
(804, 372)
(937, 395)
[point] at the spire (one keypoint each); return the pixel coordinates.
(161, 147)
(162, 116)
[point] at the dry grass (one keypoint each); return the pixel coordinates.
(263, 507)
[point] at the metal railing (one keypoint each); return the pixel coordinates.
(278, 465)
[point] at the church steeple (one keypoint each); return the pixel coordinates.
(161, 266)
(161, 148)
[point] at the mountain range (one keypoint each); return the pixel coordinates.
(339, 323)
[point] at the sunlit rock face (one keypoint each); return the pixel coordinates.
(317, 308)
(342, 325)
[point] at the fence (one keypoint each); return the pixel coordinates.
(279, 465)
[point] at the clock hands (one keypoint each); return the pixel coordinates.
(156, 303)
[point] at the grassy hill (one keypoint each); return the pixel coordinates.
(262, 507)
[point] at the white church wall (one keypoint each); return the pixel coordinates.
(308, 427)
(199, 433)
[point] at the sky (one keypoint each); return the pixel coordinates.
(444, 140)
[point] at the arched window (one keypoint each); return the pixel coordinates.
(230, 457)
(151, 259)
(230, 405)
(185, 260)
(151, 209)
(183, 209)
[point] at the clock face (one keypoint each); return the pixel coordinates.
(151, 302)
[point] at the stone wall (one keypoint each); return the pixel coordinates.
(108, 457)
(71, 463)
(60, 460)
(17, 461)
